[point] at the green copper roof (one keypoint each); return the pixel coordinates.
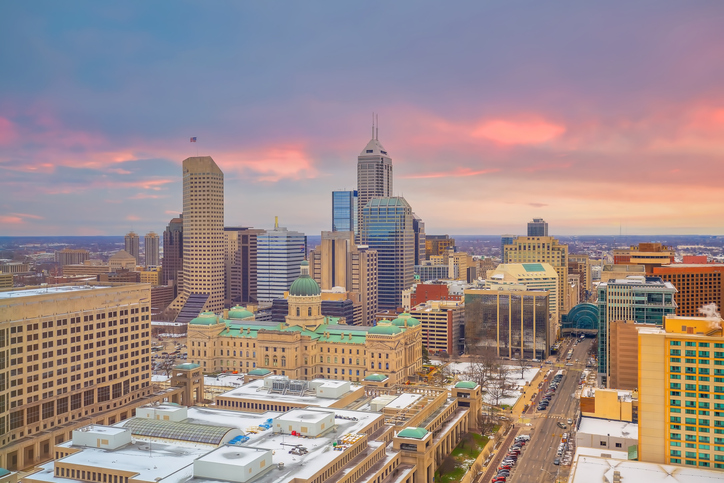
(376, 377)
(466, 385)
(414, 433)
(384, 329)
(205, 318)
(239, 312)
(259, 372)
(533, 267)
(304, 286)
(187, 366)
(405, 314)
(4, 472)
(400, 321)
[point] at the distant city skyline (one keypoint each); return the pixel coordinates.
(599, 119)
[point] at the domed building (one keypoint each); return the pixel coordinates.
(307, 345)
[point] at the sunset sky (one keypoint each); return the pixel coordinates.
(596, 119)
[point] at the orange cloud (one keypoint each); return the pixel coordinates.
(7, 131)
(270, 164)
(455, 173)
(518, 132)
(26, 215)
(14, 220)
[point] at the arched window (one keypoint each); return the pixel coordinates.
(297, 311)
(276, 361)
(284, 361)
(309, 311)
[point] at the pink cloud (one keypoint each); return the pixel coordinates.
(271, 163)
(26, 215)
(7, 131)
(454, 173)
(132, 218)
(14, 220)
(518, 132)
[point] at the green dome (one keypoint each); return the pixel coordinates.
(414, 433)
(403, 315)
(412, 321)
(376, 377)
(205, 318)
(384, 329)
(400, 322)
(466, 385)
(239, 312)
(259, 372)
(304, 286)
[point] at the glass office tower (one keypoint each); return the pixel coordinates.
(279, 255)
(344, 211)
(387, 228)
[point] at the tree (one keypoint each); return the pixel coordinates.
(523, 364)
(425, 355)
(499, 384)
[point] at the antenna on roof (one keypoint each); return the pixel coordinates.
(373, 125)
(377, 129)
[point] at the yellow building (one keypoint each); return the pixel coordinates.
(6, 280)
(69, 355)
(681, 392)
(151, 276)
(542, 249)
(610, 404)
(308, 345)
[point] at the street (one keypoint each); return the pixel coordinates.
(536, 463)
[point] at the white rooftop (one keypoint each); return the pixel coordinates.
(617, 429)
(404, 401)
(50, 289)
(256, 390)
(587, 469)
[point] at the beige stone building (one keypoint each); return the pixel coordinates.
(542, 249)
(122, 260)
(203, 234)
(133, 246)
(151, 249)
(70, 256)
(339, 262)
(624, 360)
(442, 323)
(69, 356)
(88, 267)
(308, 345)
(151, 276)
(6, 280)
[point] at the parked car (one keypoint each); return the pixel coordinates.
(561, 425)
(557, 461)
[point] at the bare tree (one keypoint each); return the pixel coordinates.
(499, 384)
(522, 364)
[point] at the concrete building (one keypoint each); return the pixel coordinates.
(308, 345)
(608, 466)
(543, 249)
(241, 264)
(6, 280)
(69, 256)
(173, 252)
(696, 284)
(537, 227)
(579, 264)
(606, 434)
(422, 292)
(133, 247)
(623, 354)
(512, 320)
(88, 268)
(14, 267)
(431, 270)
(644, 300)
(534, 276)
(66, 360)
(279, 253)
(122, 275)
(443, 325)
(122, 260)
(374, 177)
(616, 272)
(151, 249)
(387, 228)
(418, 227)
(611, 404)
(203, 238)
(680, 392)
(437, 244)
(649, 255)
(339, 262)
(505, 240)
(344, 211)
(151, 276)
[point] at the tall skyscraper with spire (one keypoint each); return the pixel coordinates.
(203, 239)
(374, 175)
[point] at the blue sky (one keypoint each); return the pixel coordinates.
(593, 117)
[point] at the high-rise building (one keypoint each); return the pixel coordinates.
(133, 246)
(69, 256)
(532, 276)
(203, 238)
(374, 176)
(623, 344)
(649, 255)
(680, 389)
(537, 227)
(506, 240)
(418, 226)
(443, 323)
(279, 253)
(696, 284)
(344, 211)
(437, 245)
(581, 265)
(150, 247)
(387, 228)
(642, 299)
(511, 320)
(542, 249)
(240, 259)
(173, 252)
(339, 262)
(53, 380)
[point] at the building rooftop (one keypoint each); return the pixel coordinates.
(617, 429)
(586, 469)
(256, 390)
(50, 289)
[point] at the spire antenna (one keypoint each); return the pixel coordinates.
(377, 129)
(373, 125)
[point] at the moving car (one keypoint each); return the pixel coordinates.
(557, 461)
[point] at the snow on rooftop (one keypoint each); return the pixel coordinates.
(617, 429)
(51, 289)
(256, 390)
(586, 469)
(404, 401)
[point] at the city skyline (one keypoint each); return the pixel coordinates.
(598, 120)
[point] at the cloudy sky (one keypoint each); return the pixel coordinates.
(596, 119)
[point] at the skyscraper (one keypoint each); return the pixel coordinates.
(203, 235)
(173, 252)
(240, 259)
(505, 240)
(69, 256)
(133, 245)
(374, 176)
(279, 255)
(344, 211)
(387, 228)
(418, 226)
(537, 227)
(150, 246)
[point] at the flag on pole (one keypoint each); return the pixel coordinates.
(193, 139)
